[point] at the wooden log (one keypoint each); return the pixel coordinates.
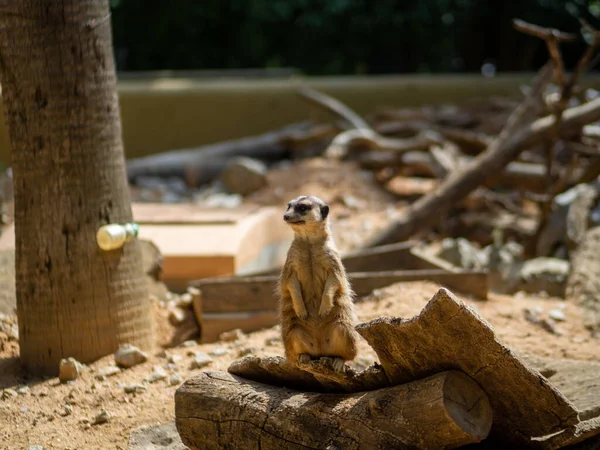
(236, 294)
(217, 410)
(449, 334)
(514, 138)
(200, 165)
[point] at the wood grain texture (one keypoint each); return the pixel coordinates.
(448, 334)
(217, 410)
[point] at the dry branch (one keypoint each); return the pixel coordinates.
(505, 148)
(216, 410)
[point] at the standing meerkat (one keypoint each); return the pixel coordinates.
(316, 308)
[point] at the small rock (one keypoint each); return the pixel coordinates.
(106, 372)
(36, 447)
(175, 379)
(23, 390)
(461, 253)
(273, 341)
(230, 336)
(134, 388)
(154, 437)
(128, 356)
(174, 359)
(67, 411)
(68, 370)
(200, 361)
(190, 343)
(101, 418)
(350, 202)
(545, 274)
(176, 316)
(219, 351)
(247, 351)
(557, 314)
(185, 300)
(158, 373)
(244, 176)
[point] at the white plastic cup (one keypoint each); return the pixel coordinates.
(115, 235)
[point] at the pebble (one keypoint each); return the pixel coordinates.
(219, 351)
(68, 370)
(176, 316)
(174, 359)
(185, 300)
(36, 447)
(23, 390)
(134, 388)
(557, 314)
(190, 343)
(273, 341)
(8, 393)
(175, 379)
(158, 373)
(230, 336)
(244, 176)
(67, 411)
(106, 372)
(101, 418)
(247, 351)
(200, 361)
(128, 356)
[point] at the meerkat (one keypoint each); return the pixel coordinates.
(316, 301)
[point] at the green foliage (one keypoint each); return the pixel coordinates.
(339, 36)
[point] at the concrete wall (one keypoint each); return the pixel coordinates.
(161, 114)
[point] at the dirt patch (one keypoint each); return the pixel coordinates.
(36, 416)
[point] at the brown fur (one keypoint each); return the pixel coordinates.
(317, 313)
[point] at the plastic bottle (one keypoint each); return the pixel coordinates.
(115, 235)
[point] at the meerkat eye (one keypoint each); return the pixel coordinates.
(302, 208)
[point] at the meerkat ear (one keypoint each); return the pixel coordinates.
(324, 211)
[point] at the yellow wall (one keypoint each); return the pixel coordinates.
(171, 113)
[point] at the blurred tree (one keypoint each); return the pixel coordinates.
(60, 102)
(339, 36)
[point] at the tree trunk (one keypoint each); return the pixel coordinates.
(217, 410)
(59, 91)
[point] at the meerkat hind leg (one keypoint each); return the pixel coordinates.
(339, 343)
(299, 346)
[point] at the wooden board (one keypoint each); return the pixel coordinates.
(233, 294)
(180, 213)
(213, 324)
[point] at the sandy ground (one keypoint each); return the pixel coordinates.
(60, 416)
(41, 416)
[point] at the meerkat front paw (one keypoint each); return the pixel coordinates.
(339, 365)
(325, 308)
(303, 358)
(302, 313)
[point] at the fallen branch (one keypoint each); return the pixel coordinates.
(505, 148)
(217, 410)
(201, 165)
(363, 135)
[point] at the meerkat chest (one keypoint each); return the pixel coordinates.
(312, 267)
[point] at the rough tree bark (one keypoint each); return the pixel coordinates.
(59, 93)
(217, 410)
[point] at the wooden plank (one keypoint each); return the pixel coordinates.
(213, 324)
(385, 257)
(234, 294)
(188, 213)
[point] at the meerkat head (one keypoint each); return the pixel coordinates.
(304, 213)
